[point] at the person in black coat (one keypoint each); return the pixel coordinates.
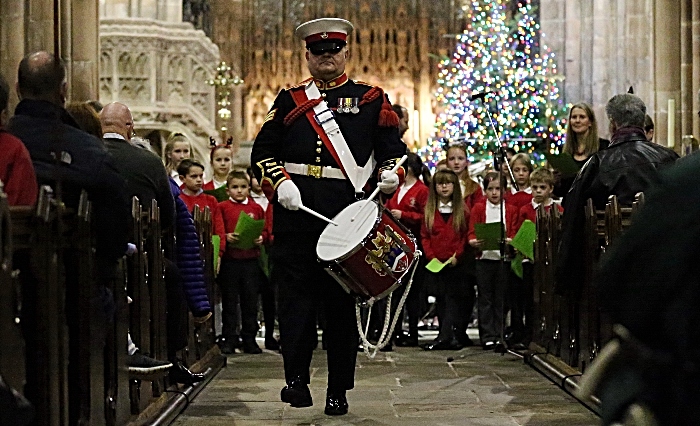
(295, 162)
(628, 166)
(648, 283)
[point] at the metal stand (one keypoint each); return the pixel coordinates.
(502, 347)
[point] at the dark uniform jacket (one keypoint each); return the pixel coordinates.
(298, 142)
(628, 166)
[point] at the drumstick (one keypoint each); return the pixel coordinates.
(396, 167)
(376, 190)
(318, 215)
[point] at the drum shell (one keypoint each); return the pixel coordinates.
(355, 270)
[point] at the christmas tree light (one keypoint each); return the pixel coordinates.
(504, 56)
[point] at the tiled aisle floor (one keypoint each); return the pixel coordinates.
(406, 387)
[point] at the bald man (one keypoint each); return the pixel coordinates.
(144, 172)
(60, 151)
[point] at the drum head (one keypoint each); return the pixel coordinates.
(337, 241)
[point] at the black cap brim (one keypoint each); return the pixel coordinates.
(326, 44)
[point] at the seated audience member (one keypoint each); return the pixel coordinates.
(62, 152)
(16, 169)
(648, 284)
(144, 172)
(71, 160)
(628, 166)
(86, 117)
(649, 128)
(148, 180)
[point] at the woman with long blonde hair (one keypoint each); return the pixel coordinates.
(581, 142)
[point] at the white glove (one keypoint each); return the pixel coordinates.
(288, 195)
(389, 182)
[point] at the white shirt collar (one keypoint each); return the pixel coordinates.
(445, 207)
(239, 202)
(527, 190)
(490, 205)
(111, 135)
(536, 205)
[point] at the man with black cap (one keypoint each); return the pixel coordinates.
(317, 148)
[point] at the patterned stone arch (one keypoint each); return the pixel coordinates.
(106, 75)
(134, 76)
(176, 80)
(200, 91)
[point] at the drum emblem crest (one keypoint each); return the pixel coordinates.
(388, 257)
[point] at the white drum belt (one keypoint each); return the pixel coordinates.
(314, 171)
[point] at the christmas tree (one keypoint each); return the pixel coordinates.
(499, 52)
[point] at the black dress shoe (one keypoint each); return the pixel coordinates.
(488, 346)
(443, 345)
(251, 347)
(181, 374)
(272, 344)
(464, 339)
(297, 394)
(336, 403)
(407, 340)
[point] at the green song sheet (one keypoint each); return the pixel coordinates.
(490, 234)
(436, 266)
(216, 245)
(524, 240)
(564, 163)
(516, 265)
(220, 193)
(248, 230)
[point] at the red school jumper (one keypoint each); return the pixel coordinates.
(205, 200)
(518, 199)
(230, 211)
(478, 215)
(529, 211)
(442, 241)
(474, 198)
(412, 206)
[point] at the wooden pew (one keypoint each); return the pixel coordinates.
(12, 354)
(156, 286)
(203, 335)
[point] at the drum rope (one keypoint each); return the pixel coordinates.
(389, 324)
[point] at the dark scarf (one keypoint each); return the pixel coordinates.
(624, 134)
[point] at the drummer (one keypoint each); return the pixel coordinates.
(298, 157)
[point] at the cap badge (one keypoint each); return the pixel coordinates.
(324, 35)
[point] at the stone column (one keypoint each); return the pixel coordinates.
(695, 15)
(667, 60)
(11, 43)
(39, 26)
(686, 95)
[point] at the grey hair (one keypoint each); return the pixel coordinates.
(626, 110)
(142, 143)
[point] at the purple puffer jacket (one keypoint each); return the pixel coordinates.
(189, 260)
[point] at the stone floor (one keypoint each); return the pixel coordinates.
(406, 387)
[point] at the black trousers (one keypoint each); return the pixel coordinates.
(491, 280)
(521, 304)
(240, 278)
(455, 297)
(304, 287)
(177, 314)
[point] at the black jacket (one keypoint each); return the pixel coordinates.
(628, 166)
(61, 151)
(298, 142)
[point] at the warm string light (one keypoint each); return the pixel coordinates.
(503, 57)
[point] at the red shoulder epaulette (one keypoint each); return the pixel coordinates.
(301, 83)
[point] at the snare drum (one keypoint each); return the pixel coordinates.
(368, 253)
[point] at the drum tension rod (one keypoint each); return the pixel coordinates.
(381, 263)
(397, 240)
